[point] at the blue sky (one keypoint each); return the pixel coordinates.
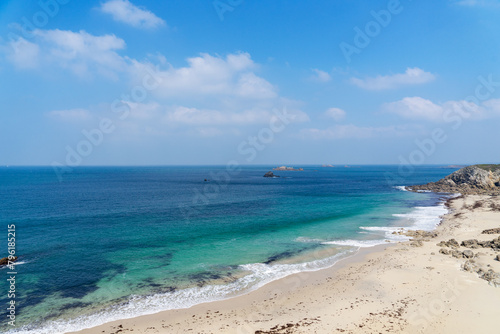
(118, 82)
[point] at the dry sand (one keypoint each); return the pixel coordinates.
(401, 288)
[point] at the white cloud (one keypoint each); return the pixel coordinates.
(251, 86)
(415, 108)
(205, 77)
(320, 76)
(216, 90)
(152, 111)
(335, 113)
(21, 53)
(412, 76)
(418, 108)
(71, 115)
(351, 131)
(126, 12)
(82, 53)
(156, 119)
(196, 116)
(181, 115)
(493, 106)
(208, 75)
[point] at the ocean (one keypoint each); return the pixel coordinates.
(110, 243)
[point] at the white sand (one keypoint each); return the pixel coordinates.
(394, 289)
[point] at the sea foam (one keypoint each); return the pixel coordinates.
(425, 218)
(259, 275)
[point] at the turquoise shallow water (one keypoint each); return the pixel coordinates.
(109, 243)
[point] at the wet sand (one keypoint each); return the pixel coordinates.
(408, 287)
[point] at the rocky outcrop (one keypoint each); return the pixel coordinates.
(419, 234)
(288, 168)
(270, 174)
(450, 243)
(5, 261)
(473, 243)
(492, 231)
(456, 253)
(489, 275)
(476, 179)
(468, 254)
(486, 273)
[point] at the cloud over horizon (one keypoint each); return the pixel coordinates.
(418, 108)
(351, 131)
(412, 76)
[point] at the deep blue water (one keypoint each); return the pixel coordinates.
(105, 240)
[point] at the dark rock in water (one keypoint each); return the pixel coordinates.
(82, 291)
(75, 305)
(167, 289)
(492, 231)
(5, 261)
(204, 278)
(476, 179)
(270, 174)
(277, 257)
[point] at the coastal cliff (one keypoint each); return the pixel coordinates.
(475, 179)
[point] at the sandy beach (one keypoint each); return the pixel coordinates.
(410, 287)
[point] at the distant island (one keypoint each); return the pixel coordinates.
(327, 166)
(475, 179)
(454, 166)
(288, 168)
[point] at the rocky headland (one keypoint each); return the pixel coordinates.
(471, 180)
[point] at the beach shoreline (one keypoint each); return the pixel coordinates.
(407, 287)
